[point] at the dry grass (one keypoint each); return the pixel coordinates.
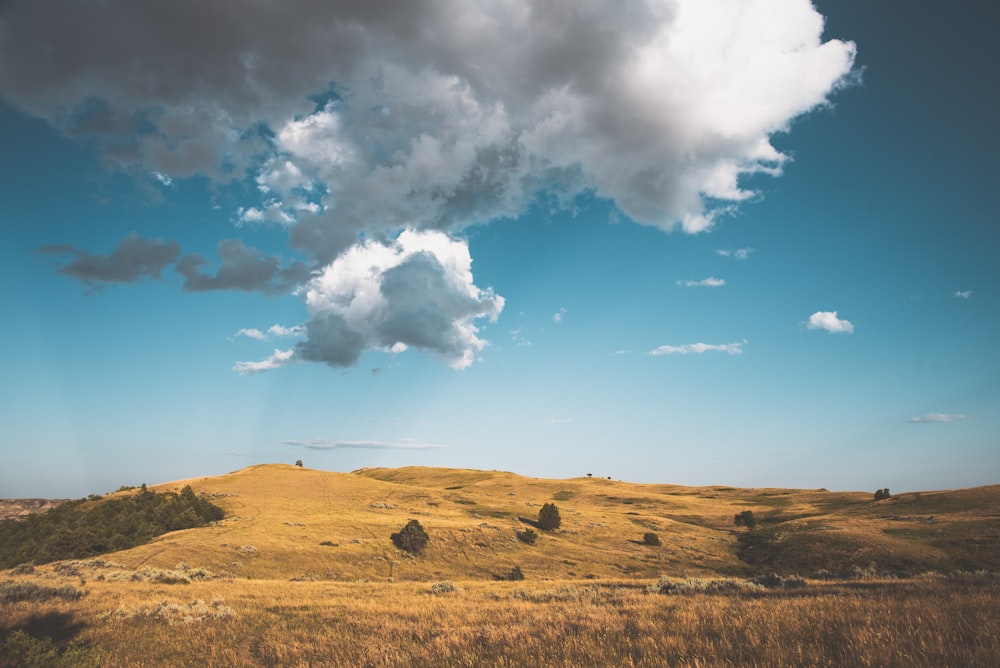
(302, 573)
(931, 621)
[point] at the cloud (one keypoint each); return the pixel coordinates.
(326, 444)
(132, 260)
(829, 321)
(557, 317)
(698, 349)
(355, 120)
(558, 421)
(241, 268)
(710, 282)
(416, 291)
(738, 254)
(963, 294)
(938, 417)
(252, 334)
(278, 359)
(272, 331)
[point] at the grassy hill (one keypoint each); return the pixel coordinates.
(301, 572)
(291, 522)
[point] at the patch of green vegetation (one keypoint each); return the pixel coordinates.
(82, 528)
(563, 495)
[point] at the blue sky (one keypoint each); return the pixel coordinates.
(682, 244)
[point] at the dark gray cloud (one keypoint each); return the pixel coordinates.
(133, 260)
(241, 268)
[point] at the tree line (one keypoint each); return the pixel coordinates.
(86, 528)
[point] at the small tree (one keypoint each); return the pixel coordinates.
(515, 574)
(881, 494)
(298, 462)
(411, 538)
(548, 517)
(745, 519)
(651, 539)
(527, 536)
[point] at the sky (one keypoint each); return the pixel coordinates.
(741, 242)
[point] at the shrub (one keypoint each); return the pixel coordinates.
(650, 539)
(515, 574)
(745, 519)
(411, 538)
(527, 536)
(548, 517)
(12, 592)
(446, 587)
(881, 494)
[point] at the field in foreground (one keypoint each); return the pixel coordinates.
(302, 572)
(933, 621)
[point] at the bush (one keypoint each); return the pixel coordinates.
(651, 539)
(446, 587)
(515, 574)
(527, 536)
(745, 519)
(548, 517)
(881, 494)
(411, 538)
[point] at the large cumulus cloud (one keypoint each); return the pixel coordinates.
(360, 119)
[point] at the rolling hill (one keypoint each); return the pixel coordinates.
(287, 522)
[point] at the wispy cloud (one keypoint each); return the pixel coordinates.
(938, 417)
(278, 359)
(710, 282)
(963, 294)
(132, 260)
(273, 330)
(737, 254)
(328, 444)
(558, 316)
(828, 320)
(558, 421)
(699, 348)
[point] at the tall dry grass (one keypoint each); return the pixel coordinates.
(929, 622)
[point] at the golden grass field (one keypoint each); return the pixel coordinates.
(302, 573)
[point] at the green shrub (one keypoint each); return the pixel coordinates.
(745, 519)
(548, 517)
(411, 538)
(515, 574)
(527, 536)
(651, 539)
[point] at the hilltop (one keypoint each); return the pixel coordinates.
(288, 522)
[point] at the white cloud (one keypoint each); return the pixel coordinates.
(557, 317)
(699, 348)
(963, 294)
(416, 291)
(710, 282)
(163, 178)
(938, 417)
(252, 333)
(328, 444)
(558, 421)
(280, 358)
(280, 330)
(829, 321)
(738, 254)
(272, 331)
